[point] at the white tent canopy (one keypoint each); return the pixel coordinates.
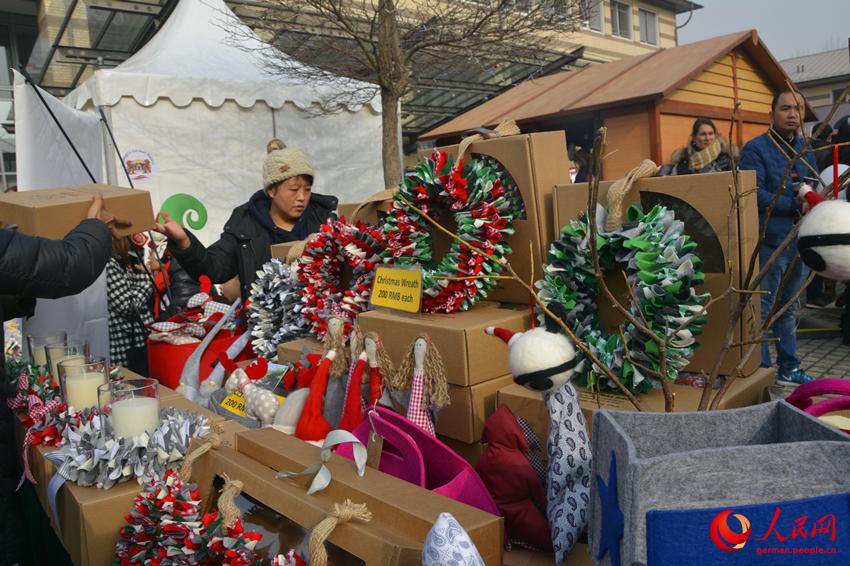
(192, 112)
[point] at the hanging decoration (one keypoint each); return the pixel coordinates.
(662, 269)
(475, 197)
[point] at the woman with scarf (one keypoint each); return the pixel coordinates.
(707, 152)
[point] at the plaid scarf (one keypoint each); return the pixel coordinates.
(702, 158)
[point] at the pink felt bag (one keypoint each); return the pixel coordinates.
(411, 454)
(802, 396)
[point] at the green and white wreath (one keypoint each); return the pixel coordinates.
(661, 267)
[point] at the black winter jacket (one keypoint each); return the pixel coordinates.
(245, 243)
(33, 267)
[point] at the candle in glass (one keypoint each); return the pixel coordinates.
(65, 352)
(80, 380)
(133, 406)
(37, 343)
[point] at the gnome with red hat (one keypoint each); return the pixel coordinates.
(545, 361)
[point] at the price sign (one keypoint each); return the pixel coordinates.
(399, 289)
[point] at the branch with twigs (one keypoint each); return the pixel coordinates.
(533, 293)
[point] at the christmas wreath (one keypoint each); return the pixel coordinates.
(475, 196)
(662, 269)
(87, 457)
(165, 526)
(320, 269)
(275, 310)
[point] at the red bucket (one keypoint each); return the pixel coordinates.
(166, 361)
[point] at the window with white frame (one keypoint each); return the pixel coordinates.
(648, 22)
(591, 14)
(621, 19)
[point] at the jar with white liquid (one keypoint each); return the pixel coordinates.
(129, 407)
(80, 378)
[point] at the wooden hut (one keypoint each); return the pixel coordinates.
(647, 102)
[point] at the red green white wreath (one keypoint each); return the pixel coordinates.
(475, 196)
(337, 244)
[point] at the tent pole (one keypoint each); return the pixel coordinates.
(108, 155)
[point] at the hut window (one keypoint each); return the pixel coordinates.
(648, 26)
(621, 19)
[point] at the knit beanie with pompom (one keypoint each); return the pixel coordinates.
(283, 163)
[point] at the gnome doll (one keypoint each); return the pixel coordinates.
(544, 361)
(824, 236)
(335, 393)
(352, 410)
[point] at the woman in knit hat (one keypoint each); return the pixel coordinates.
(284, 211)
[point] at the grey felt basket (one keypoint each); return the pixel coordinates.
(711, 459)
(215, 406)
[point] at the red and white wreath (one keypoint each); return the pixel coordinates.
(337, 244)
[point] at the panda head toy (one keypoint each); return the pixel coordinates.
(824, 236)
(540, 360)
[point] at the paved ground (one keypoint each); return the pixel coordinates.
(819, 344)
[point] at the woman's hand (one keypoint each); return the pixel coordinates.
(173, 231)
(97, 211)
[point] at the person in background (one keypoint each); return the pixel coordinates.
(824, 138)
(706, 152)
(170, 276)
(769, 156)
(129, 289)
(33, 268)
(285, 210)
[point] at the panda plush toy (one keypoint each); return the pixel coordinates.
(824, 236)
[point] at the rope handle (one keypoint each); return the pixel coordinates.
(618, 191)
(339, 514)
(211, 440)
(226, 505)
(506, 128)
(296, 250)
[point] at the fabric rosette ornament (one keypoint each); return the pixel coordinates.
(661, 267)
(475, 197)
(320, 268)
(275, 309)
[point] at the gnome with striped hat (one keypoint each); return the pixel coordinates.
(545, 362)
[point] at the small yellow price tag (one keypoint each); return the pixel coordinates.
(399, 289)
(235, 403)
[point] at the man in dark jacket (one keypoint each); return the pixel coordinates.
(769, 156)
(32, 268)
(284, 211)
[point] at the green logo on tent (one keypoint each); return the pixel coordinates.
(186, 210)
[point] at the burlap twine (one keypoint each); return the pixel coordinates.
(339, 514)
(621, 187)
(211, 440)
(506, 128)
(226, 504)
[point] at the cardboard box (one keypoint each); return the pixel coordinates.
(537, 162)
(470, 452)
(52, 213)
(290, 352)
(725, 240)
(229, 431)
(579, 556)
(371, 211)
(469, 355)
(463, 419)
(281, 251)
(529, 405)
(184, 404)
(402, 513)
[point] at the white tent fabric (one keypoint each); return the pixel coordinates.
(192, 112)
(46, 160)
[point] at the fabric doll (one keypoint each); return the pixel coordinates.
(334, 340)
(423, 373)
(312, 425)
(545, 362)
(260, 403)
